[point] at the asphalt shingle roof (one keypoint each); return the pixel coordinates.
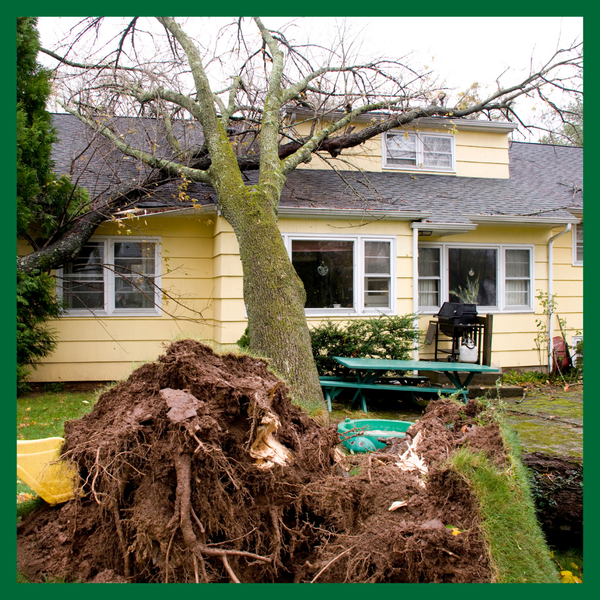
(544, 180)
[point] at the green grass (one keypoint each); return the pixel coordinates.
(518, 551)
(42, 416)
(570, 560)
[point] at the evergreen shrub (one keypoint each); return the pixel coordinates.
(385, 336)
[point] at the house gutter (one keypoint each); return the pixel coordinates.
(551, 290)
(295, 212)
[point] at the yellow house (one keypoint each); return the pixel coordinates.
(406, 222)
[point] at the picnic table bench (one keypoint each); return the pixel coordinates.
(369, 370)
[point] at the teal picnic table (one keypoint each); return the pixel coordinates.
(369, 370)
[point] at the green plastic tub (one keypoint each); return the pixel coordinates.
(361, 435)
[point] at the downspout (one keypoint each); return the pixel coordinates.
(551, 290)
(415, 286)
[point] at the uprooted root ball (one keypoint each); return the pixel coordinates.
(198, 468)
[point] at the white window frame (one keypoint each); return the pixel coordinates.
(501, 306)
(358, 275)
(110, 310)
(419, 166)
(429, 308)
(577, 262)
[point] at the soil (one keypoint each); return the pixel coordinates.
(557, 487)
(549, 422)
(199, 468)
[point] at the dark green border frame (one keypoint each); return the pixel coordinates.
(271, 8)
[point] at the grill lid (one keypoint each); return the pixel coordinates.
(457, 313)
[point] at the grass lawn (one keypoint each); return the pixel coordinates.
(43, 415)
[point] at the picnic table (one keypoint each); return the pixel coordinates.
(369, 370)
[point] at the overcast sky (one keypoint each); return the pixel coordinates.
(460, 50)
(464, 49)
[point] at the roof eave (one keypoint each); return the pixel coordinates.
(521, 221)
(350, 213)
(429, 122)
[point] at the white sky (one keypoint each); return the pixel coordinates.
(460, 50)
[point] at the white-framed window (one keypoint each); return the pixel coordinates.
(345, 275)
(494, 277)
(426, 151)
(578, 245)
(113, 276)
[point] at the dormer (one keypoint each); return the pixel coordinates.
(462, 148)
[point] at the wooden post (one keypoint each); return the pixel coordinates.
(487, 322)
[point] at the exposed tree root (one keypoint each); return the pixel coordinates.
(184, 479)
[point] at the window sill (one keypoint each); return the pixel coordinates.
(482, 310)
(415, 169)
(348, 312)
(87, 314)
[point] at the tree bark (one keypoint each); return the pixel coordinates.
(274, 295)
(64, 250)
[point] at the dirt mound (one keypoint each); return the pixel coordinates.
(199, 468)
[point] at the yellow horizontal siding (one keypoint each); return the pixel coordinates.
(481, 170)
(228, 309)
(83, 372)
(473, 154)
(229, 333)
(478, 154)
(207, 276)
(229, 287)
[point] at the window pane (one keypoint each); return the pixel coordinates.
(326, 270)
(83, 284)
(437, 151)
(579, 242)
(377, 292)
(517, 263)
(429, 262)
(517, 292)
(377, 257)
(429, 267)
(401, 149)
(429, 292)
(472, 275)
(134, 268)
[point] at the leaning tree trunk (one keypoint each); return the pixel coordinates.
(274, 296)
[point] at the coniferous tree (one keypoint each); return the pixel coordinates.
(43, 200)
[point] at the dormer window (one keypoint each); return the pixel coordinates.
(428, 152)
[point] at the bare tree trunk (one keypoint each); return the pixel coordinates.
(274, 295)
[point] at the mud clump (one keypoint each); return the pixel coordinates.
(199, 468)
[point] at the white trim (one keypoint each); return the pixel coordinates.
(575, 261)
(358, 275)
(419, 151)
(351, 213)
(109, 278)
(500, 275)
(519, 221)
(415, 287)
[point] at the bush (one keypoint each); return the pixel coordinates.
(390, 337)
(36, 304)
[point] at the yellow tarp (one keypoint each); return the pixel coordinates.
(38, 466)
